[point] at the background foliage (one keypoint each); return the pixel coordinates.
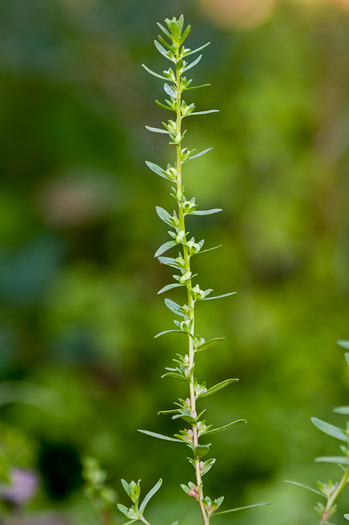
(79, 367)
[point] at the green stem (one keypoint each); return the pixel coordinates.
(332, 499)
(191, 301)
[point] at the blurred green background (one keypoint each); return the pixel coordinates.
(79, 368)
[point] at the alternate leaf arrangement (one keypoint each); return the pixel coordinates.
(330, 491)
(186, 409)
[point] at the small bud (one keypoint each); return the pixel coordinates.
(185, 278)
(180, 236)
(194, 492)
(198, 293)
(185, 325)
(193, 247)
(189, 206)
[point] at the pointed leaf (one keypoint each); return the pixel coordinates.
(198, 87)
(340, 460)
(206, 212)
(157, 130)
(240, 508)
(162, 50)
(185, 34)
(201, 450)
(164, 247)
(156, 169)
(168, 331)
(197, 49)
(342, 410)
(225, 427)
(153, 72)
(203, 112)
(346, 516)
(159, 436)
(200, 154)
(164, 106)
(164, 215)
(169, 261)
(343, 344)
(209, 343)
(218, 296)
(217, 387)
(170, 286)
(305, 487)
(169, 91)
(209, 249)
(174, 307)
(165, 31)
(127, 488)
(122, 508)
(150, 495)
(192, 64)
(331, 430)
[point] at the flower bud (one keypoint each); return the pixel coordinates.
(185, 278)
(180, 236)
(198, 293)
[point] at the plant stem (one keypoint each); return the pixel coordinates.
(332, 499)
(191, 301)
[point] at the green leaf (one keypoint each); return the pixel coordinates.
(342, 410)
(168, 331)
(150, 495)
(346, 516)
(305, 487)
(169, 91)
(122, 508)
(200, 154)
(157, 130)
(156, 169)
(162, 50)
(203, 112)
(192, 64)
(197, 49)
(153, 73)
(225, 427)
(347, 358)
(207, 212)
(185, 34)
(201, 450)
(165, 31)
(333, 459)
(164, 215)
(174, 307)
(159, 436)
(170, 286)
(164, 247)
(209, 343)
(169, 261)
(217, 387)
(240, 508)
(198, 87)
(127, 488)
(164, 106)
(343, 344)
(331, 430)
(218, 296)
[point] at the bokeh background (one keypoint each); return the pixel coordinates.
(79, 368)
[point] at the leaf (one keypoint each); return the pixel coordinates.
(164, 215)
(240, 508)
(218, 296)
(209, 249)
(192, 64)
(343, 344)
(346, 516)
(209, 343)
(170, 286)
(217, 387)
(203, 112)
(197, 49)
(198, 87)
(169, 91)
(169, 261)
(165, 31)
(225, 427)
(342, 410)
(127, 488)
(162, 50)
(163, 105)
(305, 487)
(122, 508)
(168, 331)
(150, 495)
(331, 430)
(201, 450)
(185, 34)
(159, 436)
(156, 169)
(200, 154)
(333, 459)
(174, 307)
(207, 212)
(153, 72)
(157, 130)
(164, 247)
(347, 358)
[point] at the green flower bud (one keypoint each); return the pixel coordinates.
(198, 293)
(185, 278)
(180, 236)
(193, 247)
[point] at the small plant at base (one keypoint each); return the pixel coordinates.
(186, 409)
(330, 491)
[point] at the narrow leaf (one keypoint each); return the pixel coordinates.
(225, 427)
(200, 154)
(240, 508)
(163, 105)
(209, 343)
(170, 286)
(163, 214)
(127, 488)
(209, 249)
(157, 130)
(305, 487)
(169, 91)
(217, 387)
(174, 307)
(333, 459)
(161, 50)
(159, 436)
(218, 296)
(207, 212)
(198, 49)
(331, 430)
(198, 87)
(165, 31)
(343, 344)
(342, 410)
(346, 516)
(192, 64)
(150, 495)
(153, 72)
(167, 332)
(203, 112)
(169, 261)
(156, 169)
(185, 34)
(164, 247)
